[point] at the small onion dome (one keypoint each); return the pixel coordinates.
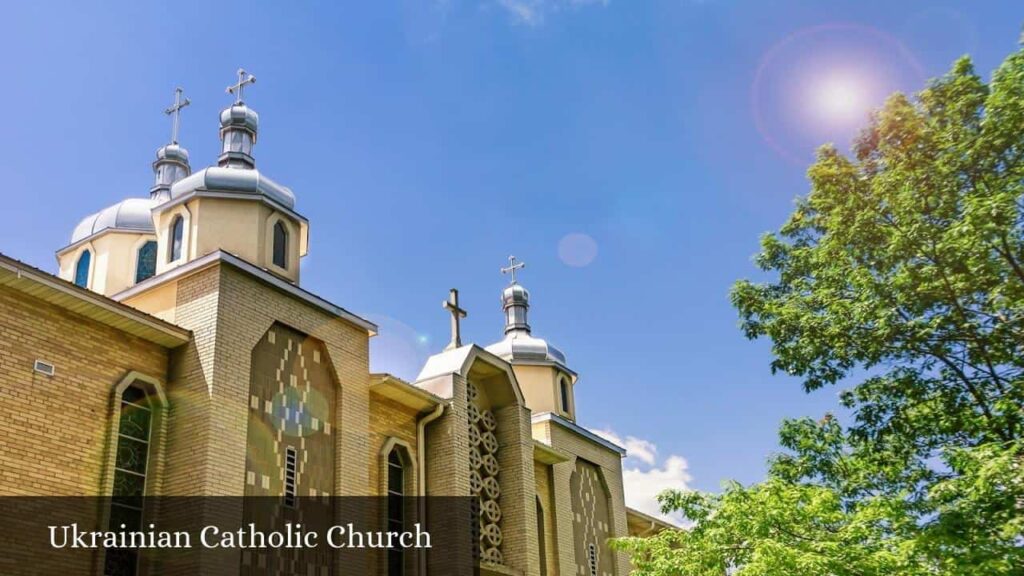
(239, 116)
(172, 153)
(171, 165)
(515, 294)
(132, 214)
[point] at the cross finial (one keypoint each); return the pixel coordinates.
(452, 305)
(243, 79)
(175, 111)
(512, 267)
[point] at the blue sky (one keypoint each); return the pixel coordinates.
(428, 140)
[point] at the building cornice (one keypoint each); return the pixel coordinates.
(34, 282)
(398, 390)
(578, 430)
(265, 276)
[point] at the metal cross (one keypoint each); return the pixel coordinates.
(452, 305)
(175, 111)
(236, 88)
(512, 267)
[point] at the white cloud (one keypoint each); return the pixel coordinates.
(533, 12)
(646, 475)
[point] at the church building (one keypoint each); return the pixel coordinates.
(176, 353)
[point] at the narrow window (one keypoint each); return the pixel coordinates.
(540, 539)
(396, 515)
(145, 266)
(82, 269)
(564, 384)
(130, 467)
(290, 469)
(177, 233)
(280, 245)
(592, 557)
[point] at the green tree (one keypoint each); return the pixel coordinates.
(902, 270)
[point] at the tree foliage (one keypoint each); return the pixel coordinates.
(902, 270)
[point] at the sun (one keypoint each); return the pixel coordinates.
(840, 98)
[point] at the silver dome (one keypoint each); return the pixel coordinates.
(519, 345)
(132, 214)
(249, 181)
(240, 116)
(172, 152)
(515, 294)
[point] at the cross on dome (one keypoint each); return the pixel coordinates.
(175, 112)
(243, 79)
(512, 267)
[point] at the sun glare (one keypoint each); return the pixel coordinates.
(841, 98)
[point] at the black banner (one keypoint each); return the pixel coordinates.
(247, 536)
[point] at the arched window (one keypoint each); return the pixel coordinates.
(396, 512)
(280, 245)
(564, 385)
(177, 233)
(540, 539)
(82, 269)
(145, 265)
(131, 461)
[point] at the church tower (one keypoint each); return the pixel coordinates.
(117, 247)
(545, 378)
(232, 206)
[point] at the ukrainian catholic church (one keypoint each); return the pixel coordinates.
(176, 353)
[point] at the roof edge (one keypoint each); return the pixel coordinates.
(238, 263)
(579, 430)
(169, 333)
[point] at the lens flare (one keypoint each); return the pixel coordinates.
(577, 249)
(840, 98)
(820, 84)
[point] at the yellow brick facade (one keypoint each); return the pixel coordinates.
(201, 444)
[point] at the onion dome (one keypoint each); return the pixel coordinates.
(130, 215)
(519, 345)
(171, 162)
(515, 301)
(239, 125)
(171, 165)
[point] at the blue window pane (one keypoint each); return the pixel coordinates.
(146, 266)
(82, 269)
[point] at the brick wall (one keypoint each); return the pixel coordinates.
(54, 430)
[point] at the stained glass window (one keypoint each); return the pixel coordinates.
(82, 269)
(130, 465)
(177, 234)
(145, 266)
(280, 245)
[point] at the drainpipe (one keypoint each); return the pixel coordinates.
(421, 478)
